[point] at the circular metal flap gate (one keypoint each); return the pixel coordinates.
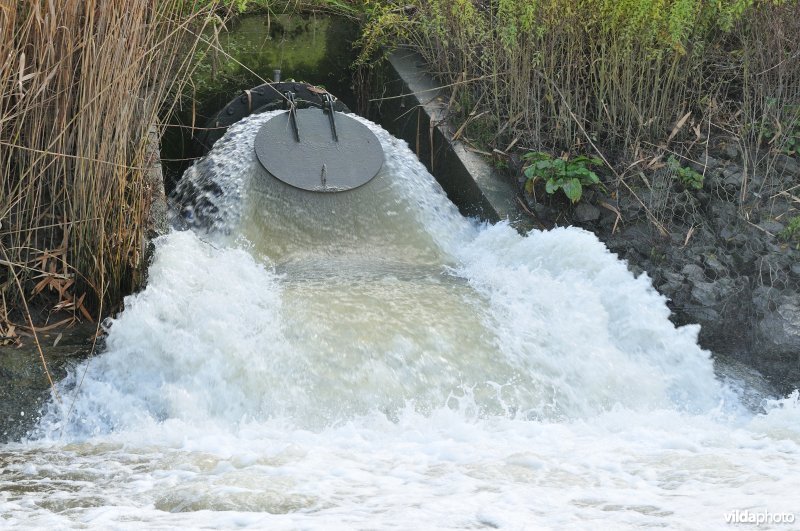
(319, 150)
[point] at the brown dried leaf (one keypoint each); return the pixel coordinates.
(688, 236)
(654, 160)
(678, 126)
(84, 311)
(68, 320)
(41, 285)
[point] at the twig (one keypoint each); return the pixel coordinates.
(532, 214)
(759, 228)
(470, 119)
(76, 157)
(47, 273)
(30, 322)
(487, 76)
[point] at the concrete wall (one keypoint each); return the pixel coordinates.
(413, 108)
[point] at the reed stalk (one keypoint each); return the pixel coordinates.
(627, 70)
(81, 84)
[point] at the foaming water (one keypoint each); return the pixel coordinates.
(373, 359)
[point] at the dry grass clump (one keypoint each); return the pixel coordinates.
(81, 83)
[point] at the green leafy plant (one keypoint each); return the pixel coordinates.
(569, 175)
(786, 138)
(688, 177)
(792, 231)
(792, 146)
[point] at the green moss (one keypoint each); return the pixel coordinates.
(316, 49)
(689, 178)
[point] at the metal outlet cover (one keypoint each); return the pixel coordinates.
(318, 162)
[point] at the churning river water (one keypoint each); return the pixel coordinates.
(374, 360)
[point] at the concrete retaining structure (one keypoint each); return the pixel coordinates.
(413, 108)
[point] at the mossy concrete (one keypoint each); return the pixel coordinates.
(308, 47)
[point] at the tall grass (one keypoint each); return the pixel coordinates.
(619, 74)
(770, 73)
(81, 84)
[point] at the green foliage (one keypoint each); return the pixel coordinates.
(236, 6)
(687, 176)
(792, 231)
(569, 175)
(791, 146)
(383, 26)
(657, 24)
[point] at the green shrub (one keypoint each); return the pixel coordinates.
(780, 127)
(618, 72)
(688, 177)
(567, 175)
(792, 231)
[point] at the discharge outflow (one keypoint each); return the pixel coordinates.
(372, 357)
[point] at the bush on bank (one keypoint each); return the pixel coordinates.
(561, 74)
(695, 105)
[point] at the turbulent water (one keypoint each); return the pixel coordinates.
(374, 360)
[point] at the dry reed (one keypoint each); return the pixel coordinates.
(81, 84)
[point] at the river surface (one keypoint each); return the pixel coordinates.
(374, 360)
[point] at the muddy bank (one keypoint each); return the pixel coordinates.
(25, 387)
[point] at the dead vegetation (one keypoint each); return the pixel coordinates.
(81, 83)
